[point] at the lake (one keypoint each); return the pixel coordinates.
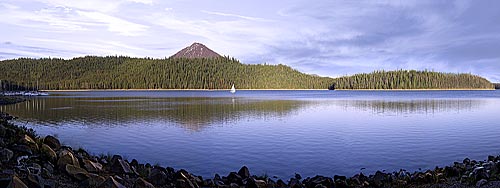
(277, 133)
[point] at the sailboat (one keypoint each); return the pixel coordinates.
(233, 90)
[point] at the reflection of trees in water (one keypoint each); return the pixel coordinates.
(191, 113)
(425, 106)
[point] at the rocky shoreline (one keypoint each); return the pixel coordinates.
(28, 160)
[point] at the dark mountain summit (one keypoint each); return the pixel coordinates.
(196, 50)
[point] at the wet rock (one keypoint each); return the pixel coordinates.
(76, 172)
(184, 183)
(27, 140)
(111, 183)
(158, 177)
(3, 131)
(244, 172)
(52, 142)
(6, 155)
(141, 183)
(120, 166)
(294, 183)
(188, 181)
(134, 163)
(452, 171)
(280, 183)
(15, 182)
(90, 166)
(47, 153)
(66, 157)
(379, 178)
(234, 177)
(234, 185)
(94, 180)
(479, 173)
(260, 183)
(319, 180)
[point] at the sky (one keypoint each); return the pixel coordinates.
(324, 37)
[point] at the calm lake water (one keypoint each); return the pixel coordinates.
(274, 132)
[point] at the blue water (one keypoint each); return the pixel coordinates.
(274, 132)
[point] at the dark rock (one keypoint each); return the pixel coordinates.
(66, 157)
(466, 161)
(76, 172)
(480, 173)
(90, 166)
(379, 178)
(184, 183)
(316, 180)
(120, 166)
(134, 163)
(158, 177)
(452, 171)
(52, 142)
(208, 183)
(297, 176)
(33, 181)
(94, 180)
(234, 177)
(47, 153)
(3, 131)
(481, 182)
(294, 183)
(6, 155)
(110, 182)
(27, 140)
(280, 183)
(141, 183)
(22, 150)
(244, 172)
(234, 185)
(15, 182)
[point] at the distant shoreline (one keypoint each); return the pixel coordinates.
(82, 90)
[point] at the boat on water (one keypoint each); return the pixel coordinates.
(233, 90)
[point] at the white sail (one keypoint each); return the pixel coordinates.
(233, 90)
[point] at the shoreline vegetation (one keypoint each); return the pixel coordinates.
(119, 72)
(444, 89)
(30, 160)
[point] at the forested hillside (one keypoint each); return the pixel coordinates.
(404, 79)
(117, 72)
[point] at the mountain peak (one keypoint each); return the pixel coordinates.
(196, 50)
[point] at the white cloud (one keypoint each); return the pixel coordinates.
(115, 24)
(234, 15)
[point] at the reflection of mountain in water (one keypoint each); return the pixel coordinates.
(191, 113)
(405, 107)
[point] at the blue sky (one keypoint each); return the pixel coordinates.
(324, 37)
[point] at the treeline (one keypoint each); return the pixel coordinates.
(119, 72)
(497, 85)
(404, 79)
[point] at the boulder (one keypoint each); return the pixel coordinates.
(318, 180)
(158, 177)
(48, 153)
(111, 183)
(234, 177)
(66, 157)
(52, 142)
(141, 183)
(6, 155)
(94, 180)
(15, 182)
(120, 166)
(76, 172)
(244, 172)
(90, 166)
(27, 140)
(33, 181)
(481, 182)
